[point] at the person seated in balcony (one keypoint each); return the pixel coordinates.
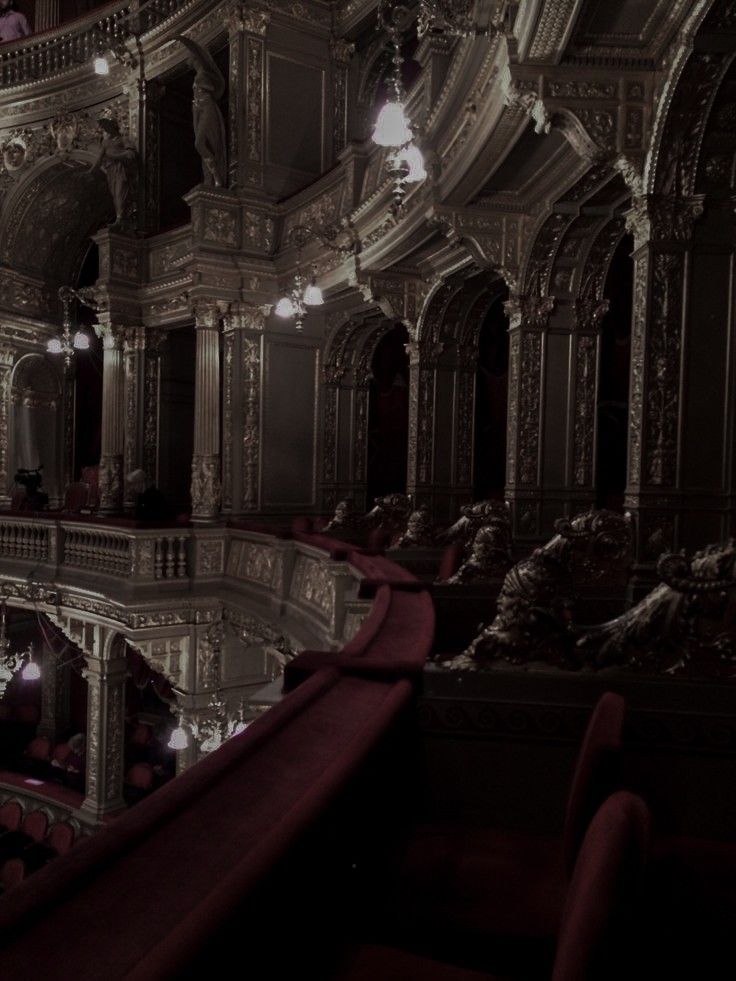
(13, 24)
(150, 503)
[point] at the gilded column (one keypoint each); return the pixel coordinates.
(663, 230)
(528, 319)
(151, 401)
(247, 26)
(206, 486)
(583, 403)
(113, 421)
(420, 452)
(6, 372)
(251, 368)
(105, 728)
(54, 700)
(134, 340)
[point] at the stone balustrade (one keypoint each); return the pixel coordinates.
(47, 55)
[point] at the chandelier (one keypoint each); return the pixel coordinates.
(453, 18)
(10, 661)
(67, 343)
(210, 732)
(304, 293)
(393, 128)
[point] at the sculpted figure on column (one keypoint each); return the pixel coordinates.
(210, 138)
(119, 163)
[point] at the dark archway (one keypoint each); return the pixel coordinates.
(491, 405)
(388, 414)
(613, 385)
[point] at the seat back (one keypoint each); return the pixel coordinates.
(10, 815)
(142, 735)
(76, 497)
(61, 753)
(36, 825)
(141, 776)
(606, 872)
(597, 771)
(39, 748)
(61, 837)
(12, 873)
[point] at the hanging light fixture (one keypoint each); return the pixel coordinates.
(304, 294)
(453, 18)
(67, 343)
(393, 129)
(11, 661)
(209, 733)
(101, 65)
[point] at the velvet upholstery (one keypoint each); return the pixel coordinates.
(463, 889)
(604, 883)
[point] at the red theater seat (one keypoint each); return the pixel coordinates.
(602, 896)
(11, 815)
(467, 888)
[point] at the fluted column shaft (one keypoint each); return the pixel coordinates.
(46, 15)
(206, 487)
(113, 422)
(6, 372)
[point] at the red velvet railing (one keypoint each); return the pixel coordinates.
(148, 892)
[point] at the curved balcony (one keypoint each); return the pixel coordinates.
(58, 51)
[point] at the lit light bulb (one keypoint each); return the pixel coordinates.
(81, 341)
(31, 672)
(285, 308)
(412, 157)
(179, 738)
(392, 128)
(313, 295)
(101, 65)
(54, 346)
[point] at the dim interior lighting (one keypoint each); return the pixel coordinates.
(412, 157)
(81, 341)
(285, 308)
(66, 343)
(179, 738)
(313, 295)
(32, 670)
(54, 345)
(101, 65)
(392, 127)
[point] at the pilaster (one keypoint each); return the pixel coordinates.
(113, 420)
(105, 725)
(7, 357)
(247, 26)
(528, 321)
(663, 230)
(206, 481)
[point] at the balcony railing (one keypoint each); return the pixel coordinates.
(53, 53)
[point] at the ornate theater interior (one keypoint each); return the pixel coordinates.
(367, 485)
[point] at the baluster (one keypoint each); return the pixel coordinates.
(158, 558)
(181, 557)
(170, 559)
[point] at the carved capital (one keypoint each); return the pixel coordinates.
(239, 17)
(207, 314)
(341, 50)
(243, 316)
(658, 218)
(526, 99)
(589, 312)
(532, 312)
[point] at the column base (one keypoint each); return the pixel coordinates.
(96, 813)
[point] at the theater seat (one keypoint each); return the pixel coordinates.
(33, 829)
(12, 873)
(11, 815)
(463, 888)
(601, 903)
(59, 840)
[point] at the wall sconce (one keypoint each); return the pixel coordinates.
(210, 732)
(67, 343)
(304, 293)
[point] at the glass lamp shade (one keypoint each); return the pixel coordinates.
(412, 157)
(392, 128)
(313, 296)
(179, 738)
(285, 308)
(81, 341)
(54, 346)
(101, 65)
(31, 672)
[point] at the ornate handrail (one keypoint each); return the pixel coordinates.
(53, 53)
